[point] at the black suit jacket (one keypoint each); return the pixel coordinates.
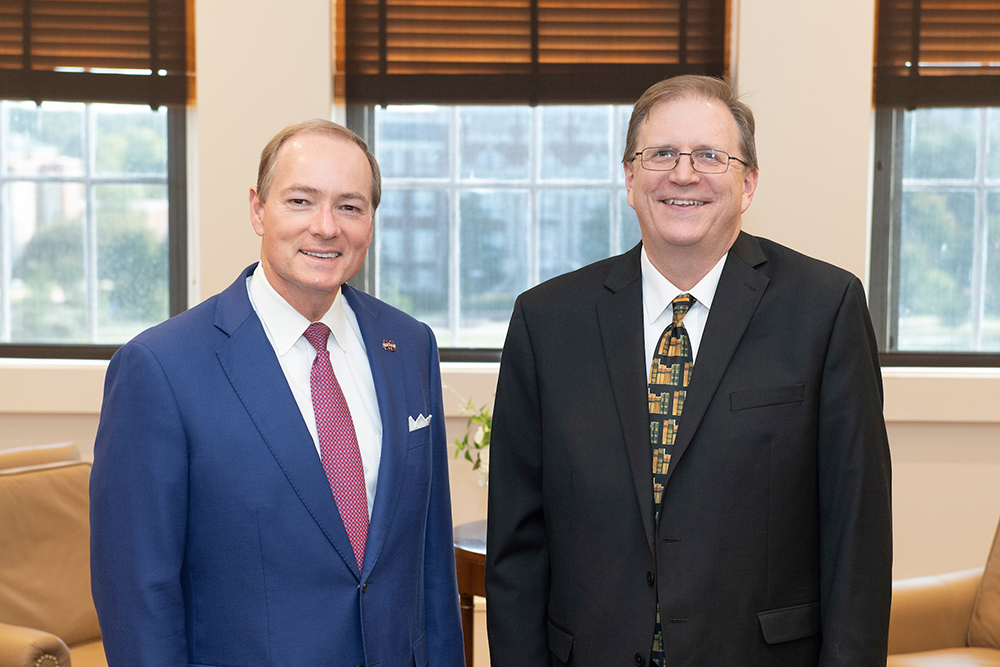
(774, 542)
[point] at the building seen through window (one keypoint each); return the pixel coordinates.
(482, 202)
(83, 222)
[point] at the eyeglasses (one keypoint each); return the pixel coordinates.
(704, 160)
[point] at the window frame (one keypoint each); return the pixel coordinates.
(522, 53)
(883, 297)
(361, 119)
(177, 251)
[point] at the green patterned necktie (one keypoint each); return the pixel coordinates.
(669, 377)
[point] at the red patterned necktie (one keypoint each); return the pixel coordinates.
(338, 443)
(669, 377)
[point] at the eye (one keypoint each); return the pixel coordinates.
(298, 202)
(711, 156)
(660, 156)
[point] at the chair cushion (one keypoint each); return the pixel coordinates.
(984, 628)
(90, 654)
(18, 457)
(45, 524)
(948, 657)
(931, 613)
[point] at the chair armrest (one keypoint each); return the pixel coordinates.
(25, 647)
(931, 613)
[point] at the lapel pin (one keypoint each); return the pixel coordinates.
(388, 345)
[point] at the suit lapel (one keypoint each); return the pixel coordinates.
(623, 352)
(740, 289)
(390, 387)
(249, 362)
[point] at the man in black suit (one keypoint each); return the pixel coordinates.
(747, 525)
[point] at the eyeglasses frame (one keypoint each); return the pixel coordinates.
(642, 162)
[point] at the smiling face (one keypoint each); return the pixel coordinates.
(688, 218)
(316, 223)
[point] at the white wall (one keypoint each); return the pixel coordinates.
(805, 68)
(260, 69)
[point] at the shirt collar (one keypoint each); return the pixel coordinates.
(284, 324)
(658, 292)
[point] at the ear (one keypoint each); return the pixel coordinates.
(749, 187)
(629, 180)
(256, 212)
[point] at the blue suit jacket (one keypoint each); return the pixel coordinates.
(215, 538)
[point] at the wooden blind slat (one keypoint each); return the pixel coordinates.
(95, 34)
(938, 53)
(525, 50)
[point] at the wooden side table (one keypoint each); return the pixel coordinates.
(470, 565)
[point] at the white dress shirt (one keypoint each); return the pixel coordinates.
(657, 312)
(284, 327)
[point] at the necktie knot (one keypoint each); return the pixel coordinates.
(682, 304)
(317, 334)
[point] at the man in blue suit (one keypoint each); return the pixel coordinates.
(241, 513)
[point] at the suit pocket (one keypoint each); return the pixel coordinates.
(760, 398)
(560, 642)
(790, 623)
(420, 652)
(419, 438)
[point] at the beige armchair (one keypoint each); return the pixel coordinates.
(47, 615)
(948, 620)
(19, 457)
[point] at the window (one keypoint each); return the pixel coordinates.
(945, 213)
(935, 285)
(92, 170)
(84, 222)
(481, 203)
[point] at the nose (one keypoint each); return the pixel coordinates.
(326, 223)
(684, 172)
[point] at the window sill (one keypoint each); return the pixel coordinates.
(51, 386)
(969, 395)
(59, 386)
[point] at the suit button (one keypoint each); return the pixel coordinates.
(364, 587)
(650, 579)
(639, 660)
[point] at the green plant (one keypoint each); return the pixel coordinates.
(475, 443)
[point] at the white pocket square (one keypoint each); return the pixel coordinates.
(420, 422)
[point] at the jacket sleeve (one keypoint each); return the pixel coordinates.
(445, 645)
(855, 518)
(517, 559)
(138, 514)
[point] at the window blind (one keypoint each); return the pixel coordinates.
(938, 53)
(526, 51)
(127, 51)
